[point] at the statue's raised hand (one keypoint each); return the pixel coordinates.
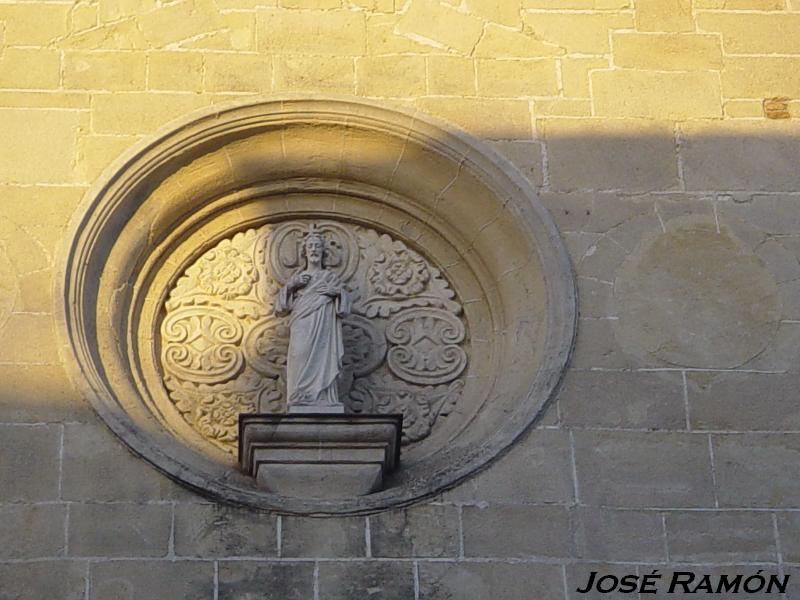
(299, 280)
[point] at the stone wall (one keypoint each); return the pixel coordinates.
(663, 136)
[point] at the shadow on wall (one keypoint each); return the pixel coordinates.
(684, 238)
(681, 395)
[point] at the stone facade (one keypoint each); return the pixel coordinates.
(663, 137)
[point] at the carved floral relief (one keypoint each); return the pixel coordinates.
(223, 349)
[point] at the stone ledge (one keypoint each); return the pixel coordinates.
(319, 455)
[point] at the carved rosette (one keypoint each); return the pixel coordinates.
(224, 350)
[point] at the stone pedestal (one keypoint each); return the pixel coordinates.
(319, 455)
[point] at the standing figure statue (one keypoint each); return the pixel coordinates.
(316, 300)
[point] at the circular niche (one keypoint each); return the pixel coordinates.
(464, 305)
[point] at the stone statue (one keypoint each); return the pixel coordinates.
(316, 300)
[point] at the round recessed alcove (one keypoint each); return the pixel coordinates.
(464, 309)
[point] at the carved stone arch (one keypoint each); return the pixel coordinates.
(459, 212)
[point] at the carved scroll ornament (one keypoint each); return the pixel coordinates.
(224, 348)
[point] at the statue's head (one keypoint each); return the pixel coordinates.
(314, 247)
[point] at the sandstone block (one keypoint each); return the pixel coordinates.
(781, 261)
(119, 35)
(329, 538)
(451, 75)
(667, 51)
(720, 537)
(774, 214)
(43, 580)
(40, 212)
(757, 470)
(513, 78)
(677, 206)
(597, 348)
(33, 24)
(440, 25)
(537, 469)
(517, 531)
(622, 400)
(740, 4)
(618, 535)
(617, 468)
(570, 211)
(239, 34)
(378, 580)
(239, 73)
(32, 531)
(601, 154)
(314, 73)
(44, 99)
(427, 531)
(182, 71)
(664, 15)
(266, 581)
(789, 532)
(99, 151)
(754, 33)
(656, 95)
(152, 580)
(318, 4)
(140, 112)
(526, 156)
(382, 38)
(479, 116)
(113, 11)
(213, 530)
(30, 68)
(36, 137)
(98, 467)
(177, 21)
(245, 4)
(725, 401)
(29, 469)
(83, 16)
(576, 4)
(595, 298)
(312, 32)
(119, 529)
(611, 210)
(39, 393)
(579, 32)
(390, 76)
(35, 294)
(506, 12)
(501, 42)
(761, 77)
(563, 107)
(38, 332)
(743, 156)
(104, 71)
(742, 109)
(599, 260)
(381, 6)
(575, 74)
(479, 581)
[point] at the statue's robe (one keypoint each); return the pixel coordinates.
(316, 348)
